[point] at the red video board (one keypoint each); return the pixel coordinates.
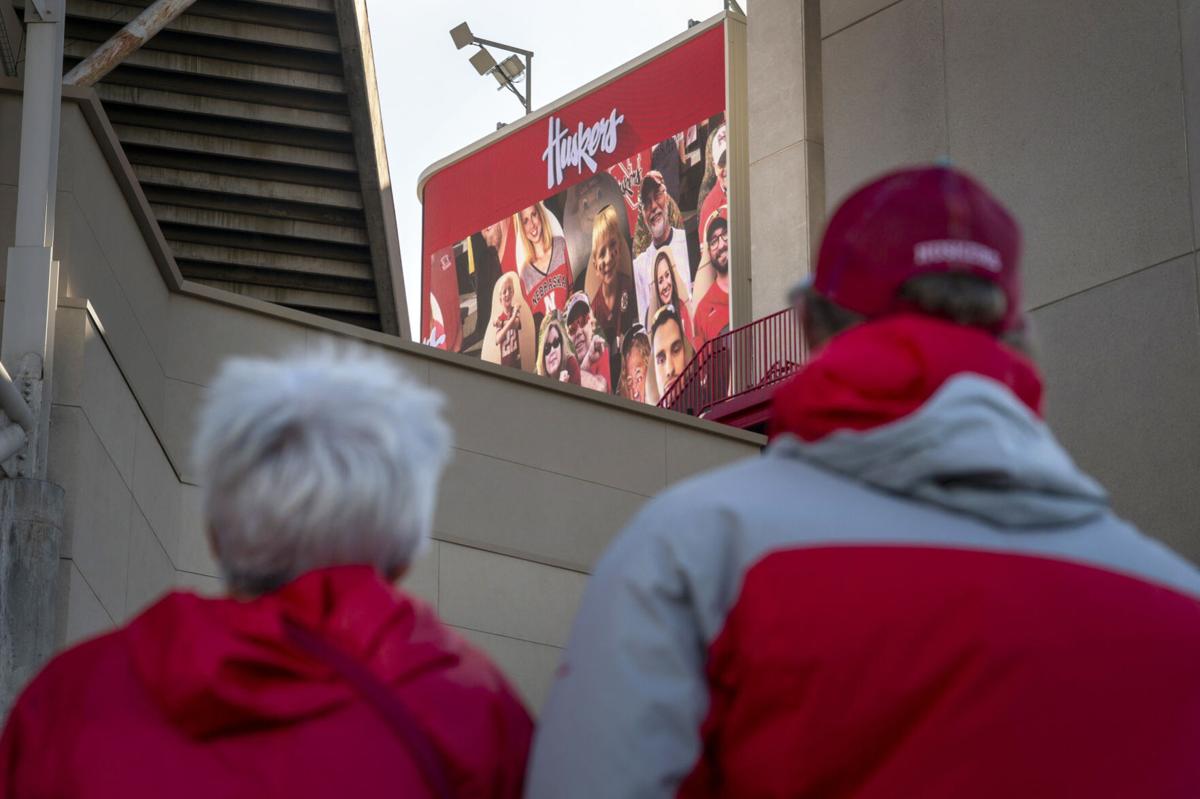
(591, 245)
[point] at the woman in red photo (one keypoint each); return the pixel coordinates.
(545, 268)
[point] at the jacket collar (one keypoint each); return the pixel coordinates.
(884, 370)
(939, 413)
(973, 449)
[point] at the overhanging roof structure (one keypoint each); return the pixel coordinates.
(253, 128)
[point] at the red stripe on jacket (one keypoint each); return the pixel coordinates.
(901, 672)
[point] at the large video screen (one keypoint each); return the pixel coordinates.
(591, 246)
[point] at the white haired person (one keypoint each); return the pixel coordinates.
(315, 677)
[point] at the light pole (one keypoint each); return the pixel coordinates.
(506, 71)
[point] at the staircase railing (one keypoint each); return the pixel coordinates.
(740, 362)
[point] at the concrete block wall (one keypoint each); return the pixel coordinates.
(122, 544)
(787, 151)
(1085, 119)
(543, 475)
(134, 529)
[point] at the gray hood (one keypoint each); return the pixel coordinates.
(973, 448)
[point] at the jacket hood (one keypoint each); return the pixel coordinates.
(938, 413)
(216, 666)
(884, 370)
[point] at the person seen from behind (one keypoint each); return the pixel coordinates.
(914, 592)
(314, 677)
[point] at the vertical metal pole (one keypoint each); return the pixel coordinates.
(39, 126)
(31, 287)
(529, 84)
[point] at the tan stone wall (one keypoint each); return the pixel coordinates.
(543, 476)
(787, 151)
(1085, 119)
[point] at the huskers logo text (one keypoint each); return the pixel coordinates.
(578, 149)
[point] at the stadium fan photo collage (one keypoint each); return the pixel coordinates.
(612, 283)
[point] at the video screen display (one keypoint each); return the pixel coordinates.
(609, 264)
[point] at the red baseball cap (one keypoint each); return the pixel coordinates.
(915, 222)
(722, 213)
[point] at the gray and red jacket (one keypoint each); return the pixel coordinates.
(913, 593)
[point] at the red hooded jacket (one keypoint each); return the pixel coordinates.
(209, 698)
(912, 594)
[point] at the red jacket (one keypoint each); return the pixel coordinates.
(208, 698)
(914, 593)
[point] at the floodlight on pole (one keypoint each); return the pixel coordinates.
(511, 67)
(462, 36)
(483, 62)
(505, 72)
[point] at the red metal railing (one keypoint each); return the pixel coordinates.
(744, 360)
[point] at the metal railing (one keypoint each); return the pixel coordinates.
(738, 363)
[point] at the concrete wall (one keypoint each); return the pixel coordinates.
(787, 150)
(1085, 119)
(527, 504)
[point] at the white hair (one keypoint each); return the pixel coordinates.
(317, 461)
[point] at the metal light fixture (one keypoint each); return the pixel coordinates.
(483, 62)
(507, 71)
(462, 36)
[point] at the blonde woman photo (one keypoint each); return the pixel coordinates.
(583, 201)
(609, 279)
(542, 253)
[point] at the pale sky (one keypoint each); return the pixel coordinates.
(434, 103)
